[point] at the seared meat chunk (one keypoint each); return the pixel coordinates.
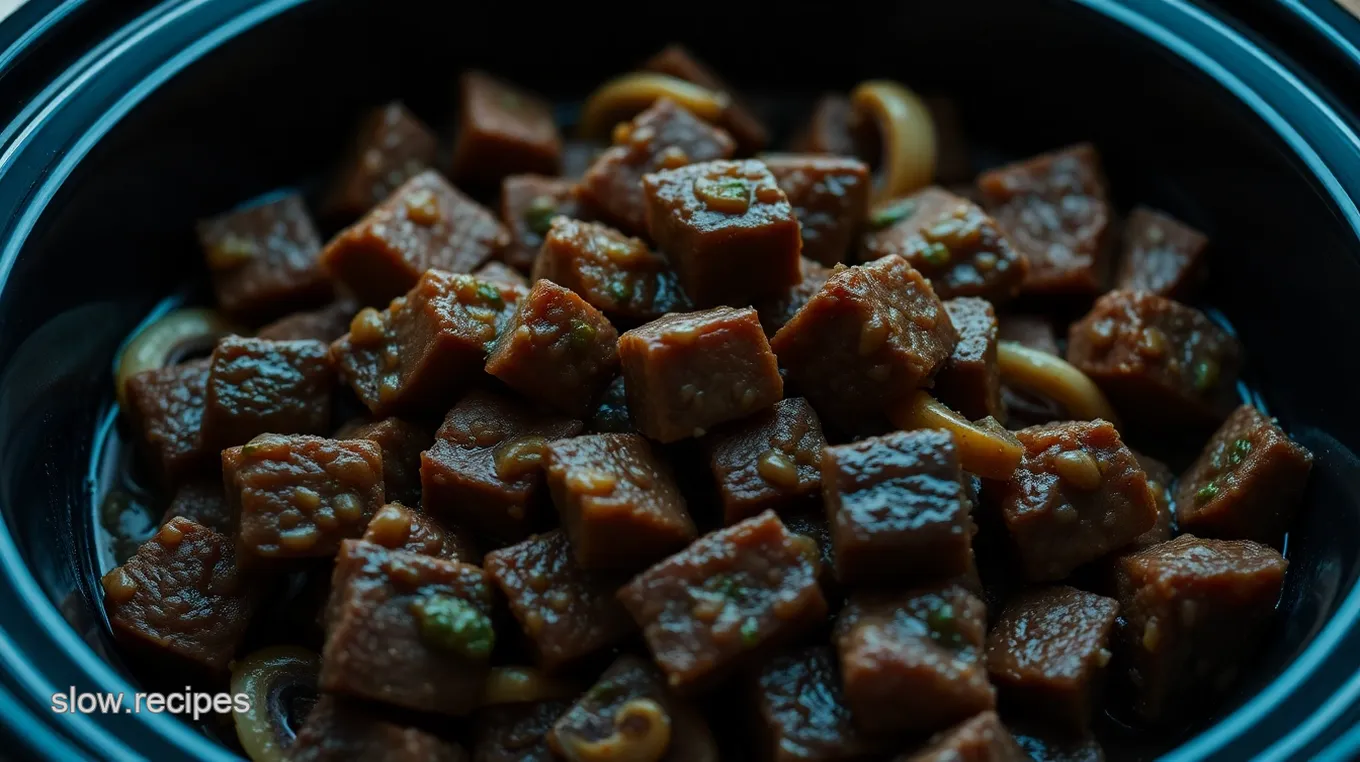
(397, 527)
(971, 381)
(802, 712)
(769, 460)
(1160, 484)
(828, 129)
(1161, 255)
(202, 502)
(390, 147)
(165, 407)
(830, 197)
(502, 274)
(777, 310)
(616, 274)
(257, 386)
(981, 739)
(528, 205)
(341, 730)
(401, 443)
(502, 130)
(517, 732)
(324, 324)
(674, 60)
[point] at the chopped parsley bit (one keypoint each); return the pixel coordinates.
(580, 335)
(1206, 493)
(936, 254)
(726, 585)
(750, 632)
(454, 624)
(943, 623)
(538, 215)
(621, 290)
(1240, 449)
(491, 294)
(891, 214)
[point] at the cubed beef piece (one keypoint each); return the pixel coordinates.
(397, 527)
(203, 502)
(728, 596)
(770, 460)
(626, 695)
(517, 732)
(1191, 611)
(1161, 254)
(417, 355)
(528, 205)
(913, 661)
(727, 227)
(342, 730)
(578, 155)
(502, 130)
(557, 350)
(401, 443)
(567, 612)
(620, 504)
(801, 712)
(980, 739)
(165, 407)
(258, 386)
(1247, 484)
(828, 129)
(1078, 494)
(971, 381)
(484, 470)
(181, 597)
(299, 496)
(778, 310)
(407, 629)
(1044, 745)
(502, 274)
(263, 259)
(1047, 653)
(325, 324)
(425, 224)
(611, 414)
(616, 274)
(1056, 209)
(1160, 483)
(390, 147)
(688, 372)
(674, 60)
(830, 197)
(898, 508)
(662, 137)
(959, 247)
(1159, 361)
(871, 336)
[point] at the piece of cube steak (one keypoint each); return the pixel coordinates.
(769, 460)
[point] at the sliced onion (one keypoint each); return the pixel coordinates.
(907, 134)
(1055, 378)
(518, 685)
(642, 733)
(271, 677)
(157, 344)
(986, 450)
(621, 99)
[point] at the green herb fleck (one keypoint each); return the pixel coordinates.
(454, 624)
(490, 294)
(621, 289)
(580, 335)
(936, 254)
(734, 189)
(1206, 375)
(1206, 493)
(727, 586)
(603, 690)
(891, 214)
(1240, 449)
(539, 214)
(750, 632)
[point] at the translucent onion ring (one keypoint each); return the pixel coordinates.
(907, 133)
(986, 450)
(622, 98)
(155, 344)
(626, 744)
(1055, 378)
(518, 685)
(262, 676)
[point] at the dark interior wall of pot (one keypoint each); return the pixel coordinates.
(275, 109)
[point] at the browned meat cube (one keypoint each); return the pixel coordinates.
(664, 136)
(1078, 494)
(1160, 483)
(517, 732)
(728, 596)
(1056, 208)
(619, 502)
(417, 355)
(727, 227)
(981, 739)
(397, 527)
(202, 502)
(830, 197)
(611, 411)
(959, 247)
(872, 335)
(257, 386)
(263, 259)
(407, 629)
(674, 60)
(802, 714)
(165, 407)
(578, 155)
(502, 130)
(528, 205)
(770, 460)
(1191, 611)
(688, 372)
(567, 612)
(1247, 484)
(556, 349)
(484, 470)
(898, 508)
(776, 311)
(913, 661)
(616, 274)
(627, 695)
(1158, 360)
(299, 496)
(1044, 745)
(971, 381)
(1161, 254)
(502, 274)
(325, 324)
(181, 597)
(390, 147)
(342, 730)
(828, 129)
(401, 443)
(425, 224)
(1047, 653)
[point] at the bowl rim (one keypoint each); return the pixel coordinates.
(1234, 58)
